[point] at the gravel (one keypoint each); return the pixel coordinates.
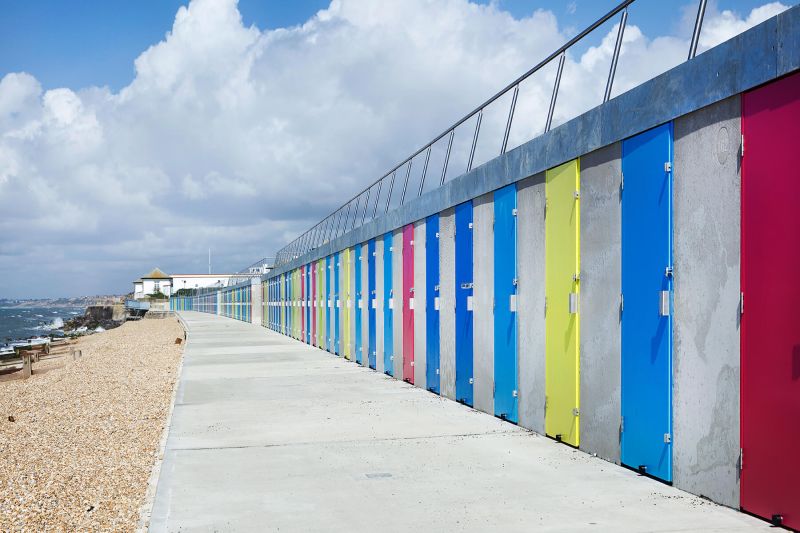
(85, 434)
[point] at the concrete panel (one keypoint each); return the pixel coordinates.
(447, 303)
(379, 366)
(600, 242)
(365, 303)
(530, 201)
(397, 315)
(788, 48)
(706, 322)
(483, 294)
(420, 359)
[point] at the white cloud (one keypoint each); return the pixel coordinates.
(236, 139)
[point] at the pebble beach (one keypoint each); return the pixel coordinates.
(79, 438)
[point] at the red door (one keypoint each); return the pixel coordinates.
(408, 303)
(770, 374)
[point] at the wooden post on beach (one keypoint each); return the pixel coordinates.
(27, 364)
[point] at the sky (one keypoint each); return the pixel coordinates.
(141, 134)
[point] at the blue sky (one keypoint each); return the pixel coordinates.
(94, 42)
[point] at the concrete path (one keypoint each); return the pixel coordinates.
(270, 434)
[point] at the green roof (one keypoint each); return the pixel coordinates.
(156, 273)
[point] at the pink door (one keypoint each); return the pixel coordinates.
(770, 374)
(408, 303)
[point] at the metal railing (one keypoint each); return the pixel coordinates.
(366, 204)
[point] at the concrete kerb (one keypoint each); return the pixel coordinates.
(146, 510)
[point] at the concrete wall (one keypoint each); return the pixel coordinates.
(256, 302)
(706, 303)
(447, 303)
(397, 314)
(420, 301)
(483, 304)
(701, 97)
(601, 278)
(530, 255)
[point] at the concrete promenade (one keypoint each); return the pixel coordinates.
(270, 434)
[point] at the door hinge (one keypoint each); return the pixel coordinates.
(741, 459)
(741, 303)
(622, 181)
(742, 144)
(621, 424)
(621, 302)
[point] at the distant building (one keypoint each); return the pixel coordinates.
(156, 281)
(199, 281)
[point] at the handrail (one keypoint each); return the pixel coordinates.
(329, 227)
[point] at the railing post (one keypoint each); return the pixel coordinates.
(510, 118)
(617, 47)
(555, 91)
(424, 170)
(366, 206)
(377, 198)
(389, 196)
(475, 140)
(355, 212)
(447, 156)
(405, 185)
(698, 26)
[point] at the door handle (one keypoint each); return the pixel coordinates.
(573, 303)
(663, 303)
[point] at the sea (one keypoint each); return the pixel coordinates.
(17, 323)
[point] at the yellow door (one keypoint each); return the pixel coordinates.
(348, 302)
(562, 287)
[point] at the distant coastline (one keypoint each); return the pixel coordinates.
(52, 303)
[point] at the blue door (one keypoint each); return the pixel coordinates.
(647, 302)
(432, 303)
(327, 303)
(336, 304)
(372, 303)
(388, 304)
(505, 307)
(358, 305)
(464, 362)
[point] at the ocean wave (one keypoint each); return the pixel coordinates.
(57, 323)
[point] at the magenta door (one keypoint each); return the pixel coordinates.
(408, 303)
(770, 374)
